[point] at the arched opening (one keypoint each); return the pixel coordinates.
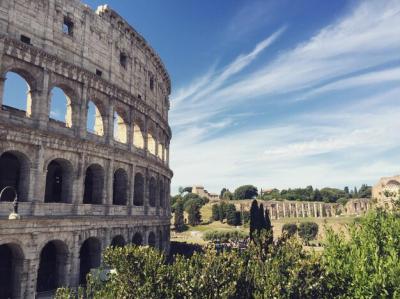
(11, 262)
(161, 193)
(58, 181)
(60, 107)
(14, 172)
(118, 241)
(152, 240)
(120, 129)
(94, 120)
(94, 182)
(120, 186)
(138, 197)
(152, 192)
(16, 96)
(138, 140)
(160, 151)
(165, 155)
(90, 257)
(137, 239)
(151, 144)
(52, 266)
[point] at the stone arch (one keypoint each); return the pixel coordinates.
(95, 117)
(17, 96)
(61, 104)
(151, 240)
(14, 172)
(120, 126)
(118, 241)
(59, 178)
(137, 239)
(52, 266)
(94, 184)
(120, 187)
(138, 139)
(152, 192)
(89, 257)
(138, 197)
(11, 268)
(161, 193)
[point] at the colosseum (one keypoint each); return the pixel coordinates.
(96, 176)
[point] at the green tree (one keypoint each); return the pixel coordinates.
(215, 212)
(308, 231)
(261, 218)
(254, 219)
(227, 195)
(365, 191)
(194, 215)
(231, 215)
(245, 192)
(221, 194)
(179, 217)
(245, 217)
(317, 195)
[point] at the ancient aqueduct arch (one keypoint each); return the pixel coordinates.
(100, 168)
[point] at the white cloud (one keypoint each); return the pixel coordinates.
(288, 152)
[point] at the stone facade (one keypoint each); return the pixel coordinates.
(386, 190)
(79, 191)
(200, 191)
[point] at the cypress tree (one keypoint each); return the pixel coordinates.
(269, 227)
(254, 217)
(179, 218)
(261, 218)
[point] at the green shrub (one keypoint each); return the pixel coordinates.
(290, 229)
(224, 236)
(308, 231)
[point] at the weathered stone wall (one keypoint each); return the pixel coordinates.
(134, 83)
(386, 190)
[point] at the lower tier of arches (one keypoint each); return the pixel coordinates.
(37, 262)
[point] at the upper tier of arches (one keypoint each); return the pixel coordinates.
(90, 115)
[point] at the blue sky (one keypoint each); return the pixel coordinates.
(277, 93)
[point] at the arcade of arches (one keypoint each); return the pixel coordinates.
(58, 264)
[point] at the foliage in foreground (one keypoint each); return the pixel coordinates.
(366, 265)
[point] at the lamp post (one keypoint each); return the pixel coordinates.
(14, 215)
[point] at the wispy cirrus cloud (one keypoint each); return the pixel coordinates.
(354, 52)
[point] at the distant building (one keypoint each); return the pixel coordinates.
(200, 191)
(386, 191)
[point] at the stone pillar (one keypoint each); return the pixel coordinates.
(321, 210)
(302, 210)
(297, 210)
(284, 209)
(315, 210)
(2, 83)
(277, 210)
(131, 187)
(31, 277)
(109, 124)
(146, 183)
(78, 181)
(145, 129)
(129, 131)
(309, 209)
(83, 111)
(38, 103)
(74, 262)
(109, 178)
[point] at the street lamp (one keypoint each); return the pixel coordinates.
(14, 215)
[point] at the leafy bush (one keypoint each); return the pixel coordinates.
(245, 192)
(290, 229)
(308, 231)
(224, 235)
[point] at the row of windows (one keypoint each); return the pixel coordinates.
(17, 96)
(59, 180)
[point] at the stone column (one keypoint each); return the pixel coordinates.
(290, 210)
(129, 130)
(2, 83)
(315, 210)
(146, 191)
(109, 178)
(277, 210)
(309, 209)
(30, 279)
(321, 210)
(145, 129)
(302, 210)
(284, 209)
(297, 210)
(109, 124)
(74, 261)
(83, 111)
(131, 187)
(38, 103)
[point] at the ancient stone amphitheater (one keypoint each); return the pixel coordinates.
(97, 177)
